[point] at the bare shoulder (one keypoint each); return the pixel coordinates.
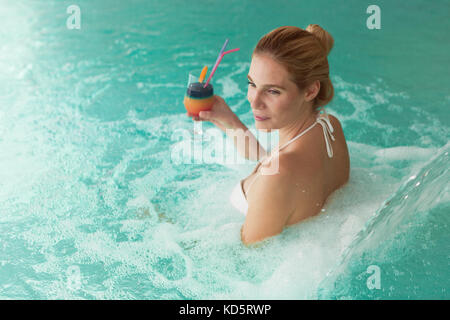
(269, 204)
(273, 199)
(341, 152)
(289, 163)
(335, 123)
(275, 179)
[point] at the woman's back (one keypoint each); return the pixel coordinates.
(330, 173)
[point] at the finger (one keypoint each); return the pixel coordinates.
(206, 115)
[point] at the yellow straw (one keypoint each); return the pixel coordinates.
(203, 74)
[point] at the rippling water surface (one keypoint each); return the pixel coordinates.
(92, 206)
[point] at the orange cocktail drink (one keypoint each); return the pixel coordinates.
(198, 97)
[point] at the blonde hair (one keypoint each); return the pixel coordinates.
(304, 55)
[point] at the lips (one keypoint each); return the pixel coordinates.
(260, 118)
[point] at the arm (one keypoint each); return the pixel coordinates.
(274, 198)
(226, 120)
(270, 204)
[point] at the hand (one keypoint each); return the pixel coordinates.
(220, 114)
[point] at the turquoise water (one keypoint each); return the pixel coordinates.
(93, 206)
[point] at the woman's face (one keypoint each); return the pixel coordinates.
(272, 95)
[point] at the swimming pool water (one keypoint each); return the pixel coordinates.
(93, 206)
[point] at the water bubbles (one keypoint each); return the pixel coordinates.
(68, 67)
(172, 267)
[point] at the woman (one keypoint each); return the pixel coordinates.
(289, 84)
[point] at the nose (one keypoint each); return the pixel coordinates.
(255, 100)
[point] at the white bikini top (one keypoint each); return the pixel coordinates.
(238, 198)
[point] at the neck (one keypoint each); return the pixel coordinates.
(297, 126)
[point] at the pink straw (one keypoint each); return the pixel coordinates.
(219, 56)
(217, 64)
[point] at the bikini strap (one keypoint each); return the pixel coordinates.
(298, 136)
(328, 129)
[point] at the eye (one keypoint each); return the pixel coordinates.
(274, 92)
(251, 83)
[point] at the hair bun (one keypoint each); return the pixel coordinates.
(325, 39)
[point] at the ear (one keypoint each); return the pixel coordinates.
(312, 90)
